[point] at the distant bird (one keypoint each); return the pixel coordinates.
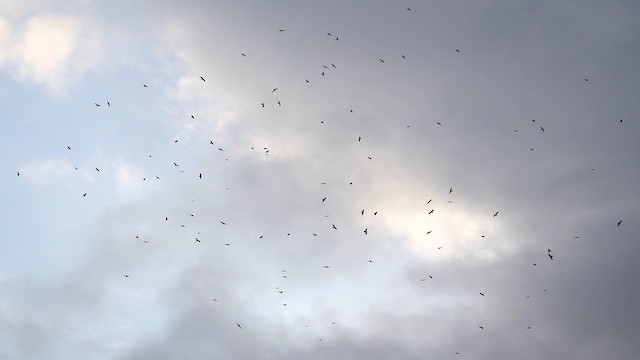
(243, 54)
(541, 128)
(279, 104)
(274, 90)
(450, 190)
(175, 141)
(324, 198)
(261, 236)
(175, 164)
(428, 202)
(365, 231)
(201, 78)
(125, 275)
(17, 173)
(482, 294)
(308, 82)
(239, 325)
(382, 61)
(333, 66)
(97, 169)
(533, 120)
(281, 30)
(334, 227)
(192, 117)
(359, 138)
(619, 222)
(428, 232)
(198, 240)
(262, 104)
(496, 214)
(620, 120)
(586, 79)
(481, 327)
(550, 256)
(531, 149)
(200, 176)
(403, 57)
(457, 50)
(431, 212)
(362, 212)
(370, 261)
(437, 122)
(322, 73)
(85, 194)
(108, 104)
(145, 85)
(375, 213)
(409, 9)
(69, 147)
(98, 105)
(326, 266)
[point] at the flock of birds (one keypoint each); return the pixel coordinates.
(365, 231)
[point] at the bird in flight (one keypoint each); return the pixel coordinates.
(324, 198)
(365, 231)
(431, 212)
(239, 325)
(450, 191)
(457, 50)
(482, 294)
(125, 275)
(98, 105)
(496, 214)
(334, 227)
(274, 90)
(243, 54)
(201, 78)
(108, 104)
(619, 222)
(362, 212)
(382, 61)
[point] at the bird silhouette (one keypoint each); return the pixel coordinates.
(619, 222)
(201, 78)
(496, 214)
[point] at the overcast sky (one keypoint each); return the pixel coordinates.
(347, 180)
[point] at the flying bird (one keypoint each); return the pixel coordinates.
(431, 212)
(274, 90)
(496, 214)
(239, 325)
(145, 85)
(619, 222)
(201, 78)
(450, 190)
(98, 105)
(108, 104)
(362, 212)
(324, 198)
(85, 194)
(243, 54)
(334, 227)
(481, 294)
(365, 231)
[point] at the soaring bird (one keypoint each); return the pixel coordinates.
(431, 212)
(324, 198)
(108, 104)
(200, 175)
(482, 294)
(198, 240)
(274, 90)
(481, 327)
(97, 169)
(125, 275)
(17, 173)
(382, 61)
(403, 57)
(239, 325)
(496, 214)
(69, 147)
(450, 190)
(550, 256)
(365, 231)
(243, 54)
(85, 194)
(362, 212)
(619, 222)
(145, 85)
(541, 128)
(457, 50)
(334, 227)
(98, 105)
(428, 202)
(201, 78)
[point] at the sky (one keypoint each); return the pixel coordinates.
(319, 180)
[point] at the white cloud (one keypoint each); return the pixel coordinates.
(50, 49)
(42, 172)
